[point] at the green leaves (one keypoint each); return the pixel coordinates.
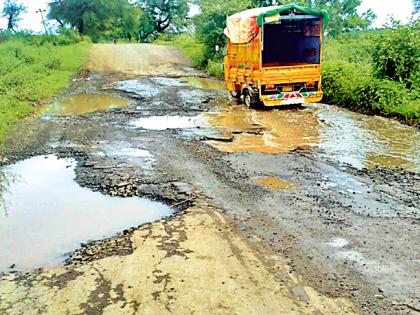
(12, 11)
(396, 54)
(99, 19)
(365, 71)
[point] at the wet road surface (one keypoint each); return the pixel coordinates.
(312, 210)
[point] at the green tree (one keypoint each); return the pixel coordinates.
(344, 15)
(96, 18)
(161, 15)
(12, 11)
(211, 22)
(416, 4)
(396, 54)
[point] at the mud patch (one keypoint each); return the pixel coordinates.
(205, 83)
(45, 213)
(82, 104)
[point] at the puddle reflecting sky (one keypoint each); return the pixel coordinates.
(167, 122)
(45, 214)
(82, 104)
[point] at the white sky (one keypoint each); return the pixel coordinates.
(400, 9)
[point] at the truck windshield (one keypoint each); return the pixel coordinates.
(292, 42)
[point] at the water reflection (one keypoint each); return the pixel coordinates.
(341, 135)
(49, 214)
(205, 83)
(274, 131)
(82, 104)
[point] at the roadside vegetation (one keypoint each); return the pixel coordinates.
(368, 70)
(373, 71)
(33, 68)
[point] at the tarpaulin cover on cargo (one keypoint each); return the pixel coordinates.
(242, 27)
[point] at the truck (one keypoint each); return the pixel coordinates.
(274, 54)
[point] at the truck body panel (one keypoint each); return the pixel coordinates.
(281, 64)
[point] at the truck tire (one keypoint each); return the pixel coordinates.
(235, 94)
(248, 99)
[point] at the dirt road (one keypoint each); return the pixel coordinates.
(301, 211)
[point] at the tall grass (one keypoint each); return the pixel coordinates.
(31, 72)
(350, 79)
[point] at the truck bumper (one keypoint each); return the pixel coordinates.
(291, 98)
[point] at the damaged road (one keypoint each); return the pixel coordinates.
(311, 210)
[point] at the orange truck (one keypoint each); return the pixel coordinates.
(274, 54)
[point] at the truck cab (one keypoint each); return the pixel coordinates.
(274, 55)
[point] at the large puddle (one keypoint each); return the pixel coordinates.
(45, 214)
(168, 122)
(80, 104)
(205, 83)
(274, 131)
(359, 140)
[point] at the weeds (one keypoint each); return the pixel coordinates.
(31, 71)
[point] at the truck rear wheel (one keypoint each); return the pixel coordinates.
(248, 99)
(235, 94)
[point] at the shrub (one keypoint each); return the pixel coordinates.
(29, 73)
(396, 54)
(215, 68)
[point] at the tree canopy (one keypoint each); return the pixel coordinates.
(161, 15)
(97, 18)
(146, 19)
(344, 15)
(12, 11)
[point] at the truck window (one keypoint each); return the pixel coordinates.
(292, 42)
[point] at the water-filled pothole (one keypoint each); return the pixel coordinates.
(331, 132)
(168, 122)
(273, 183)
(205, 83)
(82, 104)
(44, 213)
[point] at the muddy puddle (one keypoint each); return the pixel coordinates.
(205, 83)
(45, 214)
(82, 104)
(274, 183)
(331, 132)
(274, 131)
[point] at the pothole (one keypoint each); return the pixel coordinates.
(205, 83)
(168, 122)
(273, 183)
(145, 89)
(45, 213)
(82, 104)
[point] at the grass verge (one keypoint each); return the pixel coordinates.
(30, 73)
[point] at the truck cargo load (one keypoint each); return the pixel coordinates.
(274, 54)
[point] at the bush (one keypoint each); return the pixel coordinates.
(375, 72)
(396, 54)
(215, 68)
(342, 79)
(189, 45)
(29, 73)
